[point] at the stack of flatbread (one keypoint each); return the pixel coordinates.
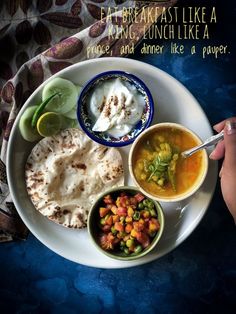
(66, 173)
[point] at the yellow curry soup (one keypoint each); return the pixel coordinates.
(157, 164)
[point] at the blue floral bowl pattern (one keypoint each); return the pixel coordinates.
(103, 138)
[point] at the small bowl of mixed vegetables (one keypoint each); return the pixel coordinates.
(124, 224)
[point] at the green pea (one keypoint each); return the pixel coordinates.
(138, 249)
(140, 205)
(122, 219)
(123, 234)
(150, 205)
(129, 242)
(102, 221)
(136, 215)
(107, 216)
(126, 250)
(145, 202)
(113, 230)
(153, 212)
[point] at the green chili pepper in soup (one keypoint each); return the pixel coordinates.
(128, 223)
(158, 165)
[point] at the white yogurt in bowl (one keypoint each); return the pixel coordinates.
(114, 107)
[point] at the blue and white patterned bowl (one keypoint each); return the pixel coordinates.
(104, 138)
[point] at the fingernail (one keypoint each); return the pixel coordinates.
(215, 126)
(230, 127)
(211, 155)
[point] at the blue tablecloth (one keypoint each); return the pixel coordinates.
(197, 277)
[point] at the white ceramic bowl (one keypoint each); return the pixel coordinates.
(84, 115)
(178, 196)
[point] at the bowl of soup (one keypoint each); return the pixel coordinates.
(158, 168)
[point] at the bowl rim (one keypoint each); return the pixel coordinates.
(87, 86)
(189, 192)
(156, 239)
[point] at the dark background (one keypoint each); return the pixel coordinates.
(197, 277)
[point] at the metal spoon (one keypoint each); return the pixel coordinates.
(209, 142)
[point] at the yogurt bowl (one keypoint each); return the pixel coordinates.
(114, 107)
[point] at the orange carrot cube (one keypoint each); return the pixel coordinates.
(118, 226)
(103, 211)
(128, 228)
(115, 218)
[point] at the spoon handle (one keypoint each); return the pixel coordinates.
(209, 142)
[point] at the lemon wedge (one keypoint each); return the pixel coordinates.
(49, 124)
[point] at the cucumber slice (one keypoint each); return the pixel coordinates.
(29, 133)
(69, 123)
(68, 95)
(79, 88)
(72, 114)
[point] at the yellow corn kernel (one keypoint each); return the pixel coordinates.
(143, 176)
(146, 214)
(118, 202)
(175, 157)
(154, 178)
(141, 221)
(161, 182)
(152, 227)
(128, 219)
(138, 173)
(130, 211)
(114, 209)
(133, 233)
(140, 165)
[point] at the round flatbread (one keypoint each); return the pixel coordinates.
(66, 173)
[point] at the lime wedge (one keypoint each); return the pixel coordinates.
(40, 109)
(49, 124)
(29, 133)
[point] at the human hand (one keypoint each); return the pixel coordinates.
(227, 149)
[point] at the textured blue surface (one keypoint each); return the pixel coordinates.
(197, 277)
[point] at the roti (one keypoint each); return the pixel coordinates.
(65, 174)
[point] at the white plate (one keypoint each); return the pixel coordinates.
(174, 103)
